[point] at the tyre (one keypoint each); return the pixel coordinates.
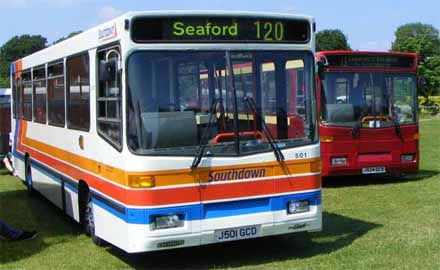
(89, 222)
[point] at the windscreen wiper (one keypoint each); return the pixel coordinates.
(393, 118)
(276, 149)
(397, 127)
(356, 130)
(201, 148)
(231, 83)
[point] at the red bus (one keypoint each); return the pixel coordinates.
(367, 104)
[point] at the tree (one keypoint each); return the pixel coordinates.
(424, 40)
(430, 71)
(16, 48)
(331, 40)
(68, 36)
(4, 82)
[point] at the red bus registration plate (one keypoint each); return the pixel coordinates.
(371, 170)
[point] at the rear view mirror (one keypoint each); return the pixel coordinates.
(322, 63)
(108, 70)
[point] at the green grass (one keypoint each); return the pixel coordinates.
(369, 223)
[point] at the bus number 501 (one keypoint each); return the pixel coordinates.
(269, 30)
(300, 155)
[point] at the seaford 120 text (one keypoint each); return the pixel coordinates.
(257, 30)
(208, 29)
(236, 175)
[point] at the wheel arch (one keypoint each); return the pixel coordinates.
(83, 190)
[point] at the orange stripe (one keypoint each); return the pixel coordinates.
(164, 177)
(89, 165)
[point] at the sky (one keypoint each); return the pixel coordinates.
(369, 25)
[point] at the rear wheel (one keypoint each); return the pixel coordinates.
(89, 221)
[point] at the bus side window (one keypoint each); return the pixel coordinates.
(20, 97)
(14, 97)
(55, 94)
(109, 109)
(39, 90)
(78, 92)
(27, 95)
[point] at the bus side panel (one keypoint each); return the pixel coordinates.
(111, 226)
(71, 201)
(47, 184)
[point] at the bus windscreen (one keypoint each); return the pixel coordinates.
(219, 29)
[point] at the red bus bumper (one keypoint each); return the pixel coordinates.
(354, 166)
(375, 151)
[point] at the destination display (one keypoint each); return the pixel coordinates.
(219, 29)
(370, 61)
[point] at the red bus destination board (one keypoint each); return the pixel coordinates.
(370, 61)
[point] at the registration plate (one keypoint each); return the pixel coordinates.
(237, 233)
(371, 170)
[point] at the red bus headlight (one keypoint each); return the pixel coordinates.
(406, 158)
(338, 161)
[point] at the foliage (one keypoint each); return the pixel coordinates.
(4, 82)
(430, 72)
(18, 47)
(68, 36)
(332, 39)
(429, 100)
(429, 105)
(424, 40)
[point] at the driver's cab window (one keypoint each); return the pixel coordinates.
(109, 111)
(342, 89)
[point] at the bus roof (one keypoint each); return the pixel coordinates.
(192, 13)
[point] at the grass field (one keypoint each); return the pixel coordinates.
(369, 223)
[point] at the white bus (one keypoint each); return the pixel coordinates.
(148, 131)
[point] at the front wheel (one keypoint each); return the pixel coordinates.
(89, 222)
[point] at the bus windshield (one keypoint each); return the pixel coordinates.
(176, 98)
(368, 99)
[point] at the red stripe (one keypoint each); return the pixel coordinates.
(260, 188)
(177, 195)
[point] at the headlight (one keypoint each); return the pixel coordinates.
(295, 207)
(169, 221)
(406, 158)
(338, 161)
